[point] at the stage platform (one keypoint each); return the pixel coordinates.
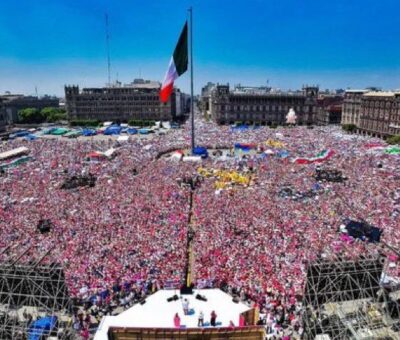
(157, 312)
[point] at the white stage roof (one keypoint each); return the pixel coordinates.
(158, 313)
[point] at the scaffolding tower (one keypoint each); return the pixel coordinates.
(30, 291)
(345, 299)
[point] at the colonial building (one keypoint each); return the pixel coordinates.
(380, 114)
(138, 100)
(260, 105)
(329, 110)
(352, 106)
(13, 103)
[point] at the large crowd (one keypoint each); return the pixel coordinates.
(126, 237)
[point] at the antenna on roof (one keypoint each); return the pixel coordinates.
(36, 91)
(108, 50)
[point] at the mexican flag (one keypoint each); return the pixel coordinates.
(177, 66)
(320, 157)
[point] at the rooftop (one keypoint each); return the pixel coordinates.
(357, 91)
(382, 94)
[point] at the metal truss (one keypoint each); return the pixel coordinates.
(29, 291)
(344, 299)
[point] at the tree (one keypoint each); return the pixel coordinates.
(393, 140)
(31, 116)
(349, 127)
(54, 114)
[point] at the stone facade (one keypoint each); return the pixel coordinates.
(261, 105)
(329, 110)
(380, 114)
(139, 100)
(12, 103)
(352, 106)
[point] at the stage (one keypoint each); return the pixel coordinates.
(157, 312)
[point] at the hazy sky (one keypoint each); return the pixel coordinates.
(336, 44)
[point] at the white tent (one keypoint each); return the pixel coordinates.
(14, 153)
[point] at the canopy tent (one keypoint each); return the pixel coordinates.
(144, 131)
(30, 137)
(21, 133)
(59, 131)
(132, 131)
(42, 326)
(200, 151)
(88, 132)
(49, 131)
(113, 130)
(14, 153)
(73, 134)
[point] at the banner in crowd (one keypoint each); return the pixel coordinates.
(245, 146)
(225, 178)
(274, 144)
(394, 150)
(320, 157)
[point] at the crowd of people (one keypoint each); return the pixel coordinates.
(125, 237)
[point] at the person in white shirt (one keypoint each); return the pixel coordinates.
(200, 322)
(185, 307)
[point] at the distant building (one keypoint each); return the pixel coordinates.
(138, 100)
(352, 106)
(380, 114)
(329, 110)
(261, 105)
(13, 103)
(205, 96)
(3, 121)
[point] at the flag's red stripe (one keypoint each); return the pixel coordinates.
(166, 92)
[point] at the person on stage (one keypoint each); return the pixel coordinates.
(213, 320)
(185, 307)
(177, 321)
(200, 322)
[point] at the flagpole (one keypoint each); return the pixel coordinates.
(191, 77)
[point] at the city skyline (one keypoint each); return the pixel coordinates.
(334, 45)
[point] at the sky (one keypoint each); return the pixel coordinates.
(285, 43)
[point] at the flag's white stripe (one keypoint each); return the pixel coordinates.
(171, 74)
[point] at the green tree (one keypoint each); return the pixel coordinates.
(393, 140)
(54, 114)
(349, 127)
(31, 116)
